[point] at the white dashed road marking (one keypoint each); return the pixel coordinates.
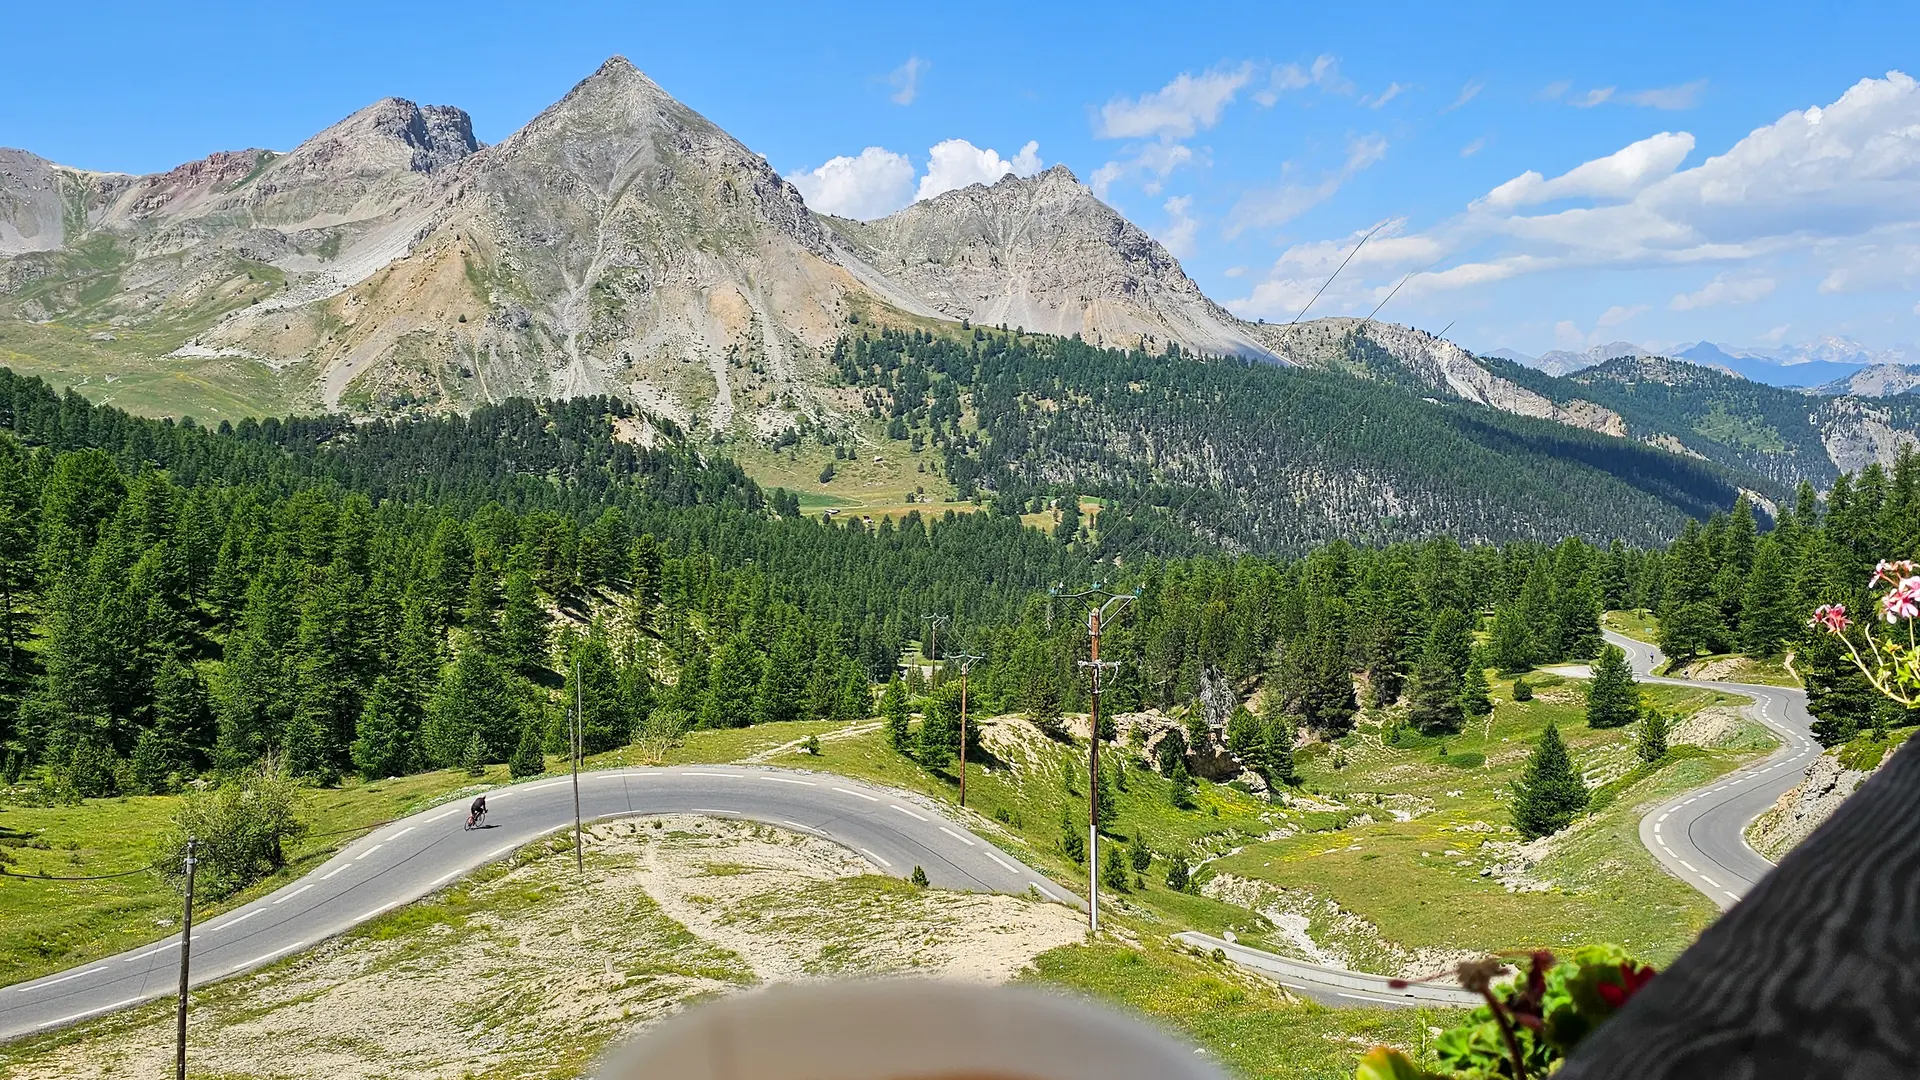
(874, 857)
(368, 852)
(856, 794)
(907, 812)
(63, 978)
(956, 836)
(294, 893)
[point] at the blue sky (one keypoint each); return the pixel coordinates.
(1259, 141)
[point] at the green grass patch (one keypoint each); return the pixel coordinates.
(1245, 1024)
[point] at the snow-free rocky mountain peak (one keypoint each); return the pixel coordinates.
(620, 243)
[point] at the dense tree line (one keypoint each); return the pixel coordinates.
(1197, 452)
(1727, 587)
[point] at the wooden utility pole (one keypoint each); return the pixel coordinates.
(186, 946)
(966, 665)
(933, 645)
(1100, 604)
(576, 737)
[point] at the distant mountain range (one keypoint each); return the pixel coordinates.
(1826, 366)
(622, 244)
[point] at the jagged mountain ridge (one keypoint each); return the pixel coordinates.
(1046, 255)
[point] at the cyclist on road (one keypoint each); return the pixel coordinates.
(477, 813)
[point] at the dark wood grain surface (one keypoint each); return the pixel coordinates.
(1816, 973)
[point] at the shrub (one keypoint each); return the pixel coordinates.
(660, 732)
(1142, 857)
(1522, 689)
(812, 745)
(242, 829)
(918, 877)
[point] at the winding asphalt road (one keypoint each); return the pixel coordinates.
(408, 859)
(1698, 836)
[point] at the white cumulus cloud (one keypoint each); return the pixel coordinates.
(955, 163)
(1617, 175)
(1834, 189)
(872, 184)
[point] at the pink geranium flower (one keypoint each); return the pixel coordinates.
(1890, 571)
(1833, 617)
(1903, 602)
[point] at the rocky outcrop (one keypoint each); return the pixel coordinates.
(1803, 809)
(1045, 255)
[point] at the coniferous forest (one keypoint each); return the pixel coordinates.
(394, 596)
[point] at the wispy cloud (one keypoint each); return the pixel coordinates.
(1596, 96)
(1474, 147)
(1178, 110)
(1277, 206)
(1393, 90)
(1724, 290)
(1554, 91)
(1323, 73)
(1467, 93)
(1684, 96)
(905, 80)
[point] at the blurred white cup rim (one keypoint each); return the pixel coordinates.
(905, 1030)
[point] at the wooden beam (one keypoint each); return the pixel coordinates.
(1815, 974)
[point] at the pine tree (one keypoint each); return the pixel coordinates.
(1180, 786)
(732, 684)
(594, 682)
(527, 759)
(474, 755)
(476, 698)
(897, 715)
(855, 698)
(939, 740)
(1510, 646)
(1767, 615)
(304, 748)
(1277, 751)
(1613, 698)
(479, 611)
(1838, 695)
(523, 626)
(1435, 705)
(1522, 690)
(1475, 695)
(387, 742)
(1177, 873)
(1550, 794)
(782, 693)
(1650, 742)
(1113, 870)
